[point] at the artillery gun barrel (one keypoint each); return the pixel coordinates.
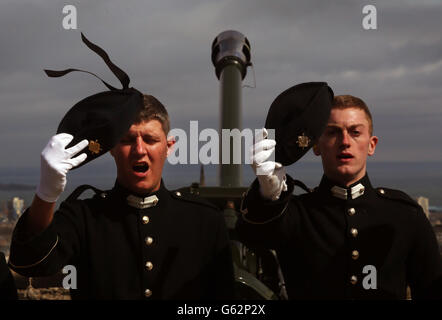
(231, 56)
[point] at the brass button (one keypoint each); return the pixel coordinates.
(103, 195)
(178, 193)
(351, 211)
(148, 240)
(354, 232)
(353, 280)
(149, 265)
(355, 254)
(147, 293)
(381, 191)
(145, 219)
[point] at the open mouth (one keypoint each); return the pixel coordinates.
(141, 167)
(344, 156)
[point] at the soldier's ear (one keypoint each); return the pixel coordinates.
(372, 145)
(316, 150)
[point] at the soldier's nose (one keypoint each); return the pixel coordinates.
(345, 139)
(139, 147)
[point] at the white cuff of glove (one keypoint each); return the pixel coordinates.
(47, 196)
(271, 186)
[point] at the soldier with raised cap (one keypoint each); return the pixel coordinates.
(138, 240)
(345, 239)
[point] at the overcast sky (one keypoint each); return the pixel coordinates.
(165, 48)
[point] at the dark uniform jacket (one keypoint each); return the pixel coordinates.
(8, 290)
(176, 249)
(370, 245)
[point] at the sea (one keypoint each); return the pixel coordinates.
(414, 178)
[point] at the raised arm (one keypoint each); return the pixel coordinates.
(56, 161)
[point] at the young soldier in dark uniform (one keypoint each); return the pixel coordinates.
(346, 239)
(137, 240)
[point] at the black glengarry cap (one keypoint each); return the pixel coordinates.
(299, 116)
(102, 118)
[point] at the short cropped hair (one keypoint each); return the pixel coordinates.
(153, 110)
(348, 101)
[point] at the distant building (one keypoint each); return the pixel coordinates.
(18, 205)
(425, 204)
(14, 208)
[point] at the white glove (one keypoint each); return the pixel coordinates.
(56, 161)
(271, 174)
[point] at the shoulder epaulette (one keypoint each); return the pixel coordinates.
(188, 197)
(79, 190)
(397, 195)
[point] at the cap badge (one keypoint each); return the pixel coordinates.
(94, 147)
(303, 141)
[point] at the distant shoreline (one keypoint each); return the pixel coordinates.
(15, 187)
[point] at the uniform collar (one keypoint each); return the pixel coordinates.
(348, 193)
(355, 190)
(140, 201)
